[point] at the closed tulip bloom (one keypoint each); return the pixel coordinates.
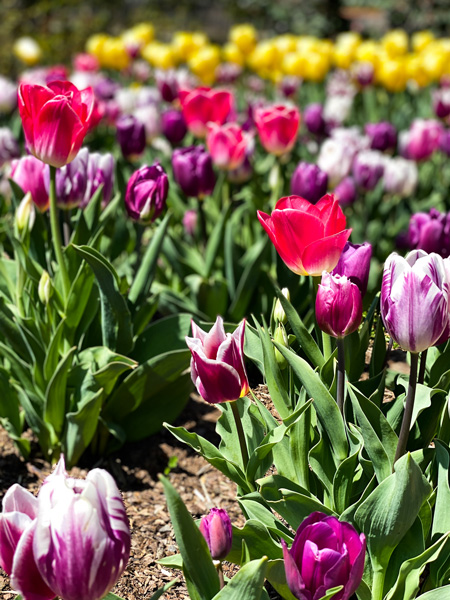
(204, 105)
(441, 102)
(217, 363)
(8, 95)
(382, 135)
(55, 120)
(33, 176)
(146, 193)
(423, 139)
(338, 305)
(335, 159)
(167, 83)
(326, 553)
(430, 232)
(415, 300)
(193, 171)
(217, 531)
(368, 168)
(173, 126)
(82, 538)
(444, 142)
(9, 146)
(308, 237)
(314, 119)
(400, 176)
(100, 171)
(131, 136)
(71, 181)
(227, 145)
(354, 263)
(277, 127)
(345, 191)
(309, 182)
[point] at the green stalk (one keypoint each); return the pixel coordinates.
(241, 435)
(201, 214)
(341, 375)
(56, 235)
(423, 366)
(378, 584)
(407, 415)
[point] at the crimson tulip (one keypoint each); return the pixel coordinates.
(204, 105)
(55, 120)
(277, 127)
(308, 237)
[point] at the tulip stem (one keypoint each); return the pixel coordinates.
(326, 344)
(407, 415)
(341, 375)
(201, 214)
(241, 435)
(220, 574)
(423, 366)
(56, 235)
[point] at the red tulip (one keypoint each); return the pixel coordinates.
(204, 105)
(55, 120)
(308, 237)
(227, 145)
(277, 127)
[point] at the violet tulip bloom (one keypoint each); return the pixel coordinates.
(308, 237)
(193, 171)
(345, 191)
(354, 263)
(368, 168)
(100, 171)
(33, 176)
(146, 193)
(217, 363)
(55, 119)
(131, 136)
(430, 232)
(309, 182)
(173, 126)
(338, 305)
(314, 119)
(325, 553)
(9, 146)
(217, 531)
(382, 135)
(71, 181)
(415, 300)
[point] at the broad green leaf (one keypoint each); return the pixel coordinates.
(215, 240)
(332, 592)
(54, 351)
(197, 561)
(442, 593)
(164, 335)
(82, 425)
(276, 575)
(343, 481)
(79, 295)
(258, 540)
(247, 583)
(55, 395)
(255, 507)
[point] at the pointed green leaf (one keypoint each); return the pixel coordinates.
(247, 583)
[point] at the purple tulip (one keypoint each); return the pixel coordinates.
(100, 171)
(9, 146)
(131, 136)
(444, 141)
(430, 232)
(338, 305)
(167, 82)
(414, 300)
(33, 176)
(345, 191)
(309, 182)
(217, 531)
(72, 541)
(146, 193)
(71, 181)
(193, 171)
(423, 139)
(326, 553)
(354, 263)
(314, 119)
(383, 135)
(174, 126)
(217, 363)
(441, 102)
(368, 168)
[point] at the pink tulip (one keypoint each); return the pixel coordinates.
(217, 530)
(55, 120)
(338, 305)
(227, 145)
(33, 176)
(277, 127)
(308, 237)
(204, 105)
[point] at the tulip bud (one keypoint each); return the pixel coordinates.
(281, 338)
(277, 127)
(45, 288)
(131, 136)
(278, 313)
(9, 146)
(383, 135)
(354, 263)
(217, 531)
(314, 119)
(345, 191)
(173, 126)
(338, 305)
(146, 193)
(25, 213)
(193, 171)
(309, 182)
(368, 168)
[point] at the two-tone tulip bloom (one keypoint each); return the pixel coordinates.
(146, 193)
(277, 127)
(204, 105)
(217, 531)
(338, 305)
(71, 181)
(227, 144)
(100, 171)
(55, 120)
(368, 168)
(326, 553)
(33, 176)
(354, 263)
(72, 541)
(217, 363)
(422, 139)
(415, 300)
(193, 171)
(308, 237)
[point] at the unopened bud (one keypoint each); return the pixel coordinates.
(45, 288)
(281, 338)
(25, 213)
(278, 314)
(217, 531)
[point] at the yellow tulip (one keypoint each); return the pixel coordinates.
(231, 53)
(205, 62)
(294, 64)
(95, 43)
(391, 73)
(421, 39)
(27, 50)
(159, 55)
(187, 43)
(416, 70)
(317, 66)
(244, 37)
(285, 43)
(395, 43)
(368, 51)
(265, 57)
(434, 63)
(114, 54)
(343, 56)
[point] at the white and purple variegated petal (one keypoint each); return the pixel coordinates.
(230, 354)
(238, 335)
(197, 332)
(18, 499)
(12, 525)
(214, 339)
(394, 266)
(415, 255)
(433, 266)
(219, 382)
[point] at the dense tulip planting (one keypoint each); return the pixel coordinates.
(180, 216)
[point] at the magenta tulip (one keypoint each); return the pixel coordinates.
(204, 105)
(146, 193)
(217, 531)
(338, 305)
(277, 127)
(217, 363)
(354, 263)
(227, 145)
(33, 176)
(308, 237)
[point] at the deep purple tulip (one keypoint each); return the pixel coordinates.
(314, 119)
(217, 363)
(415, 300)
(382, 135)
(217, 531)
(131, 136)
(71, 181)
(167, 83)
(345, 191)
(100, 171)
(146, 193)
(368, 168)
(174, 126)
(441, 102)
(338, 305)
(309, 182)
(325, 553)
(193, 171)
(430, 232)
(354, 263)
(33, 176)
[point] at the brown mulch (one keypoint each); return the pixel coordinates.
(135, 468)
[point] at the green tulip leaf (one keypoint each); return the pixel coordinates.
(247, 583)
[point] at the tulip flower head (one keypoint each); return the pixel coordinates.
(415, 300)
(309, 182)
(308, 237)
(326, 553)
(227, 145)
(146, 193)
(217, 363)
(354, 263)
(430, 232)
(55, 120)
(193, 171)
(217, 531)
(204, 105)
(338, 305)
(277, 127)
(33, 176)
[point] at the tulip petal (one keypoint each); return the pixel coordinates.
(323, 254)
(217, 382)
(214, 338)
(293, 576)
(331, 214)
(357, 565)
